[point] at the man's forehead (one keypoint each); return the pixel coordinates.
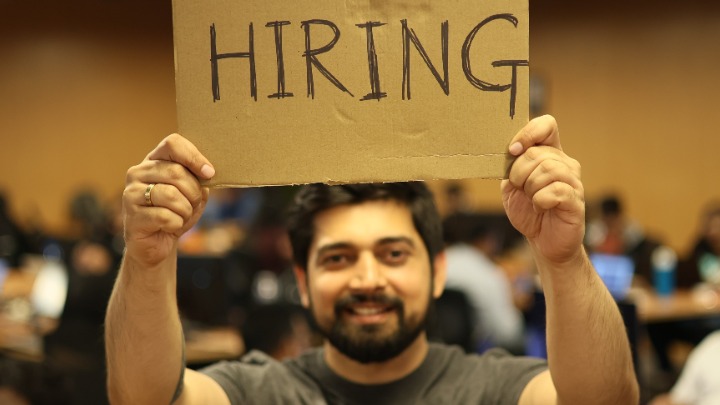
(366, 223)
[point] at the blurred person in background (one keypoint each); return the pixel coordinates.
(613, 232)
(227, 222)
(698, 270)
(29, 383)
(456, 199)
(76, 347)
(279, 330)
(699, 382)
(702, 264)
(14, 241)
(472, 245)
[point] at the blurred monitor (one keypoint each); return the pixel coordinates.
(616, 271)
(49, 290)
(201, 291)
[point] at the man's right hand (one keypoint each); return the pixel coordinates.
(152, 229)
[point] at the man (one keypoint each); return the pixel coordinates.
(367, 273)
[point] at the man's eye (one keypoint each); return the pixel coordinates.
(396, 256)
(335, 261)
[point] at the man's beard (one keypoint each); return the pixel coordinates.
(363, 343)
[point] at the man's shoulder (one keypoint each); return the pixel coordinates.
(454, 354)
(257, 361)
(258, 378)
(454, 360)
(494, 376)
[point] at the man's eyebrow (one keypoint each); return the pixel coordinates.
(333, 246)
(396, 239)
(347, 245)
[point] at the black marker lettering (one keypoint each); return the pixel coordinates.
(375, 93)
(513, 83)
(277, 26)
(483, 85)
(312, 60)
(409, 35)
(214, 57)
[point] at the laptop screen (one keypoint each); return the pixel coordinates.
(615, 271)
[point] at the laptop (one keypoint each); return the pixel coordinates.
(616, 271)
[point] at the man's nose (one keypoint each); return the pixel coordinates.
(369, 274)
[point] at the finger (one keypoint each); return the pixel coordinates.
(162, 196)
(198, 211)
(150, 220)
(175, 148)
(558, 195)
(539, 131)
(550, 171)
(506, 186)
(529, 161)
(165, 172)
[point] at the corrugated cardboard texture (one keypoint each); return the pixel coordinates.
(386, 117)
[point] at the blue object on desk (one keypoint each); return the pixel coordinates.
(616, 272)
(3, 272)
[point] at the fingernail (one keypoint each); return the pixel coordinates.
(207, 171)
(516, 148)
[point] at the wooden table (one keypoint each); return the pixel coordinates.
(700, 302)
(211, 345)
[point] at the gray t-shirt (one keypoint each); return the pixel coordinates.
(446, 376)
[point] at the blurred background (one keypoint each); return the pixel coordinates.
(87, 89)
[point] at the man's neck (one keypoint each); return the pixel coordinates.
(377, 373)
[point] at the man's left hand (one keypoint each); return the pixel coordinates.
(543, 196)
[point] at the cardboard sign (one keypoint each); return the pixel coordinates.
(278, 92)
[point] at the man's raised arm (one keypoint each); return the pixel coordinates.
(588, 352)
(143, 337)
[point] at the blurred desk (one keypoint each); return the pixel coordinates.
(23, 340)
(211, 345)
(681, 305)
(17, 284)
(20, 338)
(21, 334)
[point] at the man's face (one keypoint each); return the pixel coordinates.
(368, 280)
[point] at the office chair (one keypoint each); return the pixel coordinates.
(452, 320)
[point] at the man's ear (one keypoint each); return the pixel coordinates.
(440, 275)
(301, 278)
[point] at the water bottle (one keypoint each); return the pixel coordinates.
(664, 262)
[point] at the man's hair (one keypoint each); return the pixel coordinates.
(611, 205)
(316, 198)
(267, 326)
